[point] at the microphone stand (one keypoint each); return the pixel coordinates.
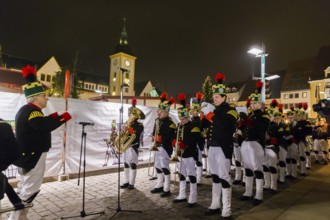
(83, 149)
(121, 112)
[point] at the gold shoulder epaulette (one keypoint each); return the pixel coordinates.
(35, 114)
(266, 116)
(173, 126)
(233, 113)
(196, 129)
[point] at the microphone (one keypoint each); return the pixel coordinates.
(124, 70)
(86, 123)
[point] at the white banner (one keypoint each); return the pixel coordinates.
(101, 114)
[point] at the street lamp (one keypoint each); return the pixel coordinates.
(261, 53)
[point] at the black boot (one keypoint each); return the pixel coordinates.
(157, 190)
(212, 212)
(165, 194)
(124, 186)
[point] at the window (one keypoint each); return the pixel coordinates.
(42, 77)
(296, 95)
(291, 96)
(48, 78)
(114, 89)
(304, 94)
(127, 76)
(286, 106)
(126, 89)
(286, 96)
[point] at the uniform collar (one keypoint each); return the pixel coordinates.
(33, 105)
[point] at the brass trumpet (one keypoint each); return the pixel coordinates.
(153, 148)
(176, 151)
(154, 144)
(179, 136)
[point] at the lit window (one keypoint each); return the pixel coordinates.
(114, 79)
(304, 94)
(48, 78)
(286, 96)
(42, 77)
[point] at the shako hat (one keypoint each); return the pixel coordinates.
(256, 96)
(219, 88)
(165, 105)
(33, 86)
(183, 111)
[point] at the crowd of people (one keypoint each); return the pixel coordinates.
(262, 144)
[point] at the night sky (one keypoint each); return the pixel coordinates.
(178, 43)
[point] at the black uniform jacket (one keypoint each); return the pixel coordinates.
(197, 122)
(221, 128)
(9, 150)
(33, 133)
(137, 129)
(166, 134)
(189, 134)
(256, 131)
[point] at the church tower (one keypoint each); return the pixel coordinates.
(122, 59)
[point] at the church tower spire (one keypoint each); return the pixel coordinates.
(123, 41)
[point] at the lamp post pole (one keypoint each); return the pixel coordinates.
(263, 62)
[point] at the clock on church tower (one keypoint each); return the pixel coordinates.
(122, 66)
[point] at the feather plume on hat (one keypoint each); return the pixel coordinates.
(199, 97)
(259, 85)
(219, 78)
(163, 97)
(29, 74)
(182, 99)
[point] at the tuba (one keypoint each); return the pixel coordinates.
(124, 139)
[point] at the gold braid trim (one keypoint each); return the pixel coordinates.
(35, 114)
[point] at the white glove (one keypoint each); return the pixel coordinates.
(207, 108)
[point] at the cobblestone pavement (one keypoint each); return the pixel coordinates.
(64, 199)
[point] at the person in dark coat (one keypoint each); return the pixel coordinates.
(33, 133)
(9, 153)
(220, 119)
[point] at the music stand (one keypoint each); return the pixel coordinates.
(121, 112)
(83, 149)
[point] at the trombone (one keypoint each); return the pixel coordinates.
(179, 135)
(153, 149)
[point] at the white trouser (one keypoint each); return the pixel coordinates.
(31, 181)
(320, 145)
(219, 164)
(162, 159)
(270, 159)
(130, 156)
(186, 166)
(252, 155)
(292, 152)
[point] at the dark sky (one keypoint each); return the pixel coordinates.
(177, 42)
